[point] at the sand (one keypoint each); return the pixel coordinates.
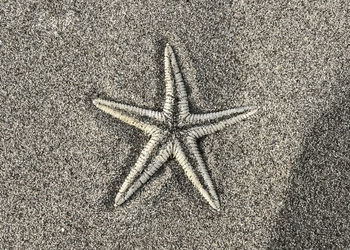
(283, 176)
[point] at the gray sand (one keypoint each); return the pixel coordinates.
(283, 176)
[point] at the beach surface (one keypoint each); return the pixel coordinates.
(282, 176)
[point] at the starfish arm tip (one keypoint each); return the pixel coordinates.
(252, 109)
(216, 205)
(96, 102)
(170, 49)
(255, 109)
(118, 202)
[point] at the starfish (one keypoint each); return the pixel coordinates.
(173, 133)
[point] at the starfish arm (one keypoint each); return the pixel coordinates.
(158, 161)
(132, 109)
(209, 117)
(169, 85)
(200, 131)
(111, 108)
(191, 142)
(191, 175)
(139, 165)
(180, 86)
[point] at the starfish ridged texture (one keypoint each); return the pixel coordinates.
(173, 134)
